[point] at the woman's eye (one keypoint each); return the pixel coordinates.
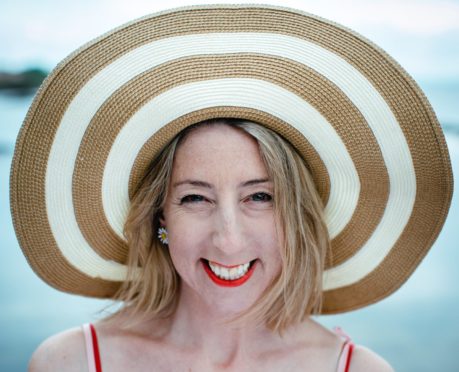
(261, 197)
(191, 199)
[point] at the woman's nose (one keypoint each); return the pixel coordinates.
(228, 235)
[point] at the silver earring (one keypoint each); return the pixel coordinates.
(162, 235)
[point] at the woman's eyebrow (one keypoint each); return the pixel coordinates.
(193, 183)
(209, 185)
(254, 182)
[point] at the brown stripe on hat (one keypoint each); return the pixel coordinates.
(309, 85)
(158, 141)
(40, 249)
(152, 147)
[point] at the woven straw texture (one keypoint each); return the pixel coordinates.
(365, 129)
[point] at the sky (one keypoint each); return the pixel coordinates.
(423, 35)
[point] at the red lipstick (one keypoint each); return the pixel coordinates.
(228, 283)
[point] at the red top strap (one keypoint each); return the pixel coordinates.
(95, 346)
(350, 349)
(344, 361)
(92, 348)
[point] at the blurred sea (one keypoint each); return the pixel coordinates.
(415, 329)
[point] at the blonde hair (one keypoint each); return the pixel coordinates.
(295, 294)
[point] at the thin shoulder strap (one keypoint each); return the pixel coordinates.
(346, 351)
(92, 348)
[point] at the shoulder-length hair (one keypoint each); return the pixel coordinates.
(152, 287)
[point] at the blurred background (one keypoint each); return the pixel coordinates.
(416, 329)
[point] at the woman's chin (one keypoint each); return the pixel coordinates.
(216, 304)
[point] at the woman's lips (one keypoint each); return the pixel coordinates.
(228, 282)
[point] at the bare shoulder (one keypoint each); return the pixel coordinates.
(64, 351)
(364, 359)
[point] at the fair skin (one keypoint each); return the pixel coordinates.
(219, 209)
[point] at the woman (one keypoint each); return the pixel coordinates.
(218, 211)
(226, 172)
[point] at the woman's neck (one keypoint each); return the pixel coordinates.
(200, 326)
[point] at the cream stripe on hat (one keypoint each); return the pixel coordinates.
(239, 93)
(93, 223)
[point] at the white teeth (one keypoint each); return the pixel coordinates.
(229, 274)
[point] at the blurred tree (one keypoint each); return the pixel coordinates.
(21, 83)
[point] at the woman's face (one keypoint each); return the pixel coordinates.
(219, 214)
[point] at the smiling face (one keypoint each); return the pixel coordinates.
(220, 219)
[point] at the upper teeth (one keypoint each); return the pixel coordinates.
(233, 273)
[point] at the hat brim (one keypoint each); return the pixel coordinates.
(367, 132)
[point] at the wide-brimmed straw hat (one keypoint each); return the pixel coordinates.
(365, 129)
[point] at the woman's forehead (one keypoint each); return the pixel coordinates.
(218, 150)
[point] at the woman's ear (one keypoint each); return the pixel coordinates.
(162, 220)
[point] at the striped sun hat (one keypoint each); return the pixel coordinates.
(367, 132)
